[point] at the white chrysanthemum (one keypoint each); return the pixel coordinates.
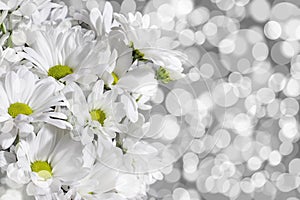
(146, 42)
(68, 55)
(26, 99)
(47, 161)
(99, 112)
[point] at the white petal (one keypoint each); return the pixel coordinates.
(130, 107)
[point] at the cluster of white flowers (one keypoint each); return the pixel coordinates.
(75, 84)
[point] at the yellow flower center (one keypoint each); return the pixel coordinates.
(116, 78)
(98, 115)
(42, 168)
(60, 71)
(19, 108)
(163, 75)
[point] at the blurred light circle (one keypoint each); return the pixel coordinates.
(238, 12)
(194, 74)
(247, 185)
(265, 152)
(292, 88)
(197, 146)
(226, 46)
(289, 129)
(278, 55)
(210, 183)
(176, 101)
(286, 148)
(225, 4)
(166, 12)
(194, 194)
(229, 168)
(243, 65)
(286, 182)
(198, 16)
(199, 37)
(277, 82)
(272, 30)
(174, 176)
(289, 106)
(242, 123)
(235, 77)
(171, 128)
(210, 29)
(187, 37)
(183, 7)
(223, 138)
(260, 51)
(180, 194)
(273, 109)
(294, 166)
(291, 29)
(287, 120)
(260, 10)
(284, 10)
(206, 70)
(275, 158)
(190, 158)
(258, 179)
(287, 49)
(254, 163)
(265, 95)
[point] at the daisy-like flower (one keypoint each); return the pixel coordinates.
(99, 112)
(26, 99)
(146, 42)
(68, 55)
(48, 161)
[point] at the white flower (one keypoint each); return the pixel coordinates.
(26, 99)
(145, 40)
(68, 55)
(99, 112)
(47, 161)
